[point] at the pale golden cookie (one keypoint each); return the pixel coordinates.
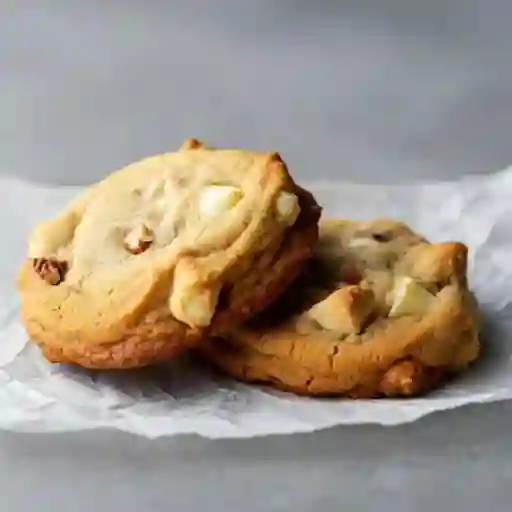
(169, 249)
(380, 312)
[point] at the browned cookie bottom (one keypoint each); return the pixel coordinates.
(405, 378)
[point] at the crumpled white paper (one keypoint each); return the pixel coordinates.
(186, 398)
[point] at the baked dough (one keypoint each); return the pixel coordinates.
(380, 312)
(169, 249)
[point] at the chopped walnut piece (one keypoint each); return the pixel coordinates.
(351, 275)
(139, 239)
(51, 270)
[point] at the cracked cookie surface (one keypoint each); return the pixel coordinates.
(163, 252)
(379, 312)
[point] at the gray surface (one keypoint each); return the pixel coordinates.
(381, 91)
(368, 90)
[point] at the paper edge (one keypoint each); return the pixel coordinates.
(25, 427)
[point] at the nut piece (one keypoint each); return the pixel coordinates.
(410, 298)
(217, 199)
(288, 208)
(191, 144)
(351, 275)
(50, 270)
(139, 239)
(406, 378)
(345, 310)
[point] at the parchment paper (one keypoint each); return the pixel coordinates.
(186, 398)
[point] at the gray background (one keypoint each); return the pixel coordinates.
(375, 91)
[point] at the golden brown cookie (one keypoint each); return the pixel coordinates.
(172, 248)
(380, 312)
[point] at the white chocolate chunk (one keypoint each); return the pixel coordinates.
(193, 300)
(46, 241)
(193, 306)
(410, 298)
(288, 207)
(217, 199)
(344, 311)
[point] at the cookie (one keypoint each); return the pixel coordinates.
(162, 253)
(380, 312)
